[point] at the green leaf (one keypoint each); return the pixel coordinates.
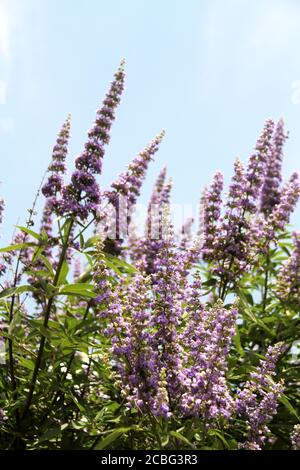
(37, 252)
(44, 235)
(181, 438)
(83, 290)
(50, 434)
(118, 265)
(219, 435)
(210, 282)
(18, 246)
(112, 437)
(9, 292)
(63, 273)
(47, 264)
(237, 341)
(35, 235)
(27, 363)
(285, 401)
(81, 239)
(42, 330)
(247, 310)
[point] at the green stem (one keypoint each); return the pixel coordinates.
(266, 285)
(45, 325)
(58, 393)
(11, 311)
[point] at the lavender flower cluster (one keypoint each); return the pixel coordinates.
(171, 351)
(81, 197)
(57, 168)
(148, 246)
(123, 195)
(257, 207)
(2, 205)
(295, 437)
(270, 192)
(288, 283)
(258, 399)
(129, 183)
(170, 343)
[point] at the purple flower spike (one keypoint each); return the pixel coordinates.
(287, 203)
(46, 226)
(147, 246)
(295, 437)
(288, 284)
(82, 196)
(211, 213)
(129, 183)
(2, 265)
(57, 167)
(2, 205)
(270, 194)
(125, 192)
(257, 165)
(101, 280)
(208, 338)
(99, 135)
(258, 399)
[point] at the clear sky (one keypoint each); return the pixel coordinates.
(208, 71)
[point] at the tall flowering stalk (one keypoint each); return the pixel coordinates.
(145, 318)
(147, 246)
(101, 279)
(295, 437)
(258, 399)
(208, 337)
(288, 281)
(2, 265)
(57, 168)
(282, 212)
(129, 183)
(185, 234)
(233, 242)
(2, 205)
(211, 213)
(160, 197)
(81, 197)
(47, 226)
(129, 328)
(124, 193)
(169, 282)
(270, 193)
(257, 164)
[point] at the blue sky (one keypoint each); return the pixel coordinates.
(208, 71)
